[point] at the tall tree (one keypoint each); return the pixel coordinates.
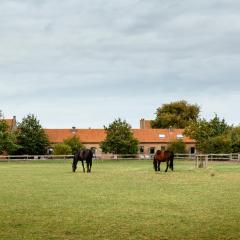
(234, 136)
(119, 139)
(175, 114)
(31, 136)
(7, 139)
(211, 136)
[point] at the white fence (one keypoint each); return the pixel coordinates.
(210, 157)
(9, 158)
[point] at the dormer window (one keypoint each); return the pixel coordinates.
(179, 136)
(162, 136)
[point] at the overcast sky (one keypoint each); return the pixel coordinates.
(85, 63)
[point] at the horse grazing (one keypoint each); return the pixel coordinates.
(82, 155)
(163, 156)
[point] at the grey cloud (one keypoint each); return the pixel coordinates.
(53, 50)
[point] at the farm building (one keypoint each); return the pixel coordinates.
(149, 139)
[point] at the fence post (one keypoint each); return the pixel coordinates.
(206, 161)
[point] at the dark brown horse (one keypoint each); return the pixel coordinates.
(163, 156)
(83, 155)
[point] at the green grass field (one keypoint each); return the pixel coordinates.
(119, 200)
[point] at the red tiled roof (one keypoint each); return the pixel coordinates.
(98, 135)
(153, 135)
(85, 135)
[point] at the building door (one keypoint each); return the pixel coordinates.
(192, 150)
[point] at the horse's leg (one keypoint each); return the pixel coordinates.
(87, 165)
(167, 163)
(170, 164)
(83, 165)
(159, 162)
(155, 164)
(90, 165)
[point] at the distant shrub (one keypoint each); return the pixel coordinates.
(74, 144)
(62, 149)
(177, 146)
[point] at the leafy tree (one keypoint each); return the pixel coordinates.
(62, 149)
(177, 146)
(176, 114)
(210, 135)
(31, 136)
(119, 139)
(217, 145)
(7, 139)
(234, 135)
(74, 143)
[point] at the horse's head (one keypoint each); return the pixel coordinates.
(158, 152)
(74, 167)
(75, 160)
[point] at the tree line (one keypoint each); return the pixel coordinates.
(212, 136)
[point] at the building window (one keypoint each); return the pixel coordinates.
(141, 149)
(162, 135)
(179, 136)
(152, 150)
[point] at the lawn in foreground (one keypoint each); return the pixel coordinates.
(119, 200)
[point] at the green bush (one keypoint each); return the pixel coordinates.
(62, 149)
(74, 143)
(177, 146)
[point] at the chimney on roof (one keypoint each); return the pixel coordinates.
(142, 123)
(14, 123)
(145, 124)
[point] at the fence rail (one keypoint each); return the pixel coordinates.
(211, 157)
(33, 157)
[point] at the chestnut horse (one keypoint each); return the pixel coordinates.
(82, 155)
(163, 156)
